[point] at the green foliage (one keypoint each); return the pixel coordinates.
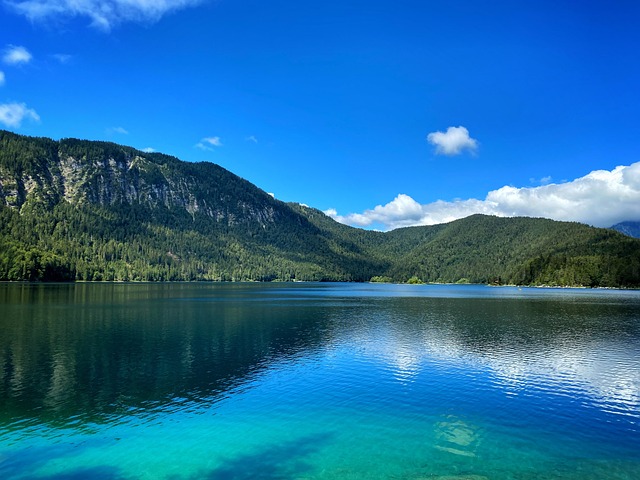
(381, 279)
(414, 281)
(523, 251)
(96, 211)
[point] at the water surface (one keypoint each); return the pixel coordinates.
(318, 381)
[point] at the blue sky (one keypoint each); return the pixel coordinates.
(381, 113)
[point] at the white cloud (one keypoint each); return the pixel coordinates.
(148, 150)
(215, 141)
(119, 130)
(452, 142)
(12, 114)
(251, 138)
(15, 55)
(542, 181)
(402, 211)
(602, 198)
(2, 81)
(208, 142)
(104, 14)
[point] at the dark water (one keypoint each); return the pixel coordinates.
(279, 381)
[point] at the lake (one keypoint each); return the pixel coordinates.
(318, 381)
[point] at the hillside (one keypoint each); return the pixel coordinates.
(487, 249)
(523, 251)
(85, 210)
(82, 210)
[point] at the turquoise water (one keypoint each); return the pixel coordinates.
(318, 381)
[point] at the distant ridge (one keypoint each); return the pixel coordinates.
(83, 210)
(632, 229)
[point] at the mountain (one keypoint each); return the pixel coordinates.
(632, 229)
(487, 249)
(84, 210)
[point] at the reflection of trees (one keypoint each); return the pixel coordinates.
(102, 349)
(91, 349)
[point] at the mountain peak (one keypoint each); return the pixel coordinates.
(631, 229)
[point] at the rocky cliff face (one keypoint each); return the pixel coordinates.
(105, 174)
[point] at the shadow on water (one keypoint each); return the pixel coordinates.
(281, 461)
(95, 473)
(17, 463)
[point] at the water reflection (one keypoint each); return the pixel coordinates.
(83, 350)
(525, 344)
(75, 351)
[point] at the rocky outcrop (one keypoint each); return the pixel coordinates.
(99, 173)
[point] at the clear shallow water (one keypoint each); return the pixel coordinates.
(318, 381)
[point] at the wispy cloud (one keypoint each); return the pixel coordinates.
(117, 130)
(453, 142)
(601, 198)
(103, 14)
(542, 181)
(2, 79)
(208, 143)
(252, 139)
(62, 57)
(15, 55)
(148, 150)
(13, 114)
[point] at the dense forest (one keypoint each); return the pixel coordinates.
(77, 210)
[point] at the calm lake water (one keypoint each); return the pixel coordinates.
(318, 381)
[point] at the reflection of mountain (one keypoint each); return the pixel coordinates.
(86, 350)
(93, 350)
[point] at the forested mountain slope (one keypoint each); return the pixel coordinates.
(523, 251)
(486, 249)
(83, 210)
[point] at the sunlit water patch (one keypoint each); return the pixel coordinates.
(190, 381)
